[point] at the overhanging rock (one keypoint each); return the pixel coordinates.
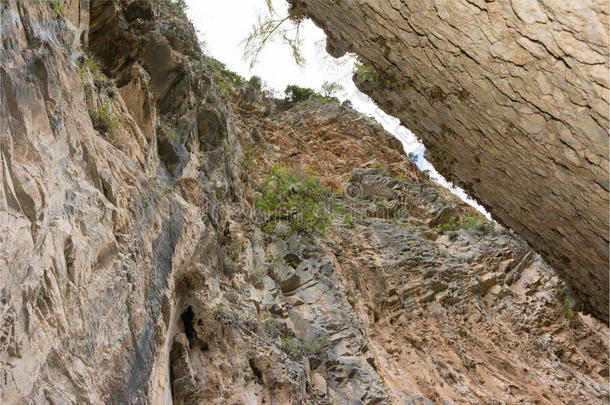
(510, 99)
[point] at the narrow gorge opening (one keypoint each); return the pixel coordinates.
(318, 70)
(175, 232)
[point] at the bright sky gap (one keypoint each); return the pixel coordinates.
(277, 68)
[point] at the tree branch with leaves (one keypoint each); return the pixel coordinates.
(273, 25)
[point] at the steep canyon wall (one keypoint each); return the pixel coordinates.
(135, 269)
(510, 99)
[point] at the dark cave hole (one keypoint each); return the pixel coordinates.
(187, 318)
(257, 372)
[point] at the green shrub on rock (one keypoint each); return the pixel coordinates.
(256, 82)
(295, 94)
(466, 222)
(293, 203)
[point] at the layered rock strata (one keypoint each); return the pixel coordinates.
(134, 270)
(510, 99)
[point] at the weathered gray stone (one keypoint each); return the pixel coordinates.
(511, 100)
(135, 272)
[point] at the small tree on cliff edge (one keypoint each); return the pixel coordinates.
(273, 25)
(330, 89)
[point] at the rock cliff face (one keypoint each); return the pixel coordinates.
(134, 268)
(510, 99)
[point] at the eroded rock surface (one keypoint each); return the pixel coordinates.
(134, 268)
(510, 99)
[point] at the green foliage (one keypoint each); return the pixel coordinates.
(330, 89)
(256, 82)
(291, 346)
(467, 222)
(56, 7)
(297, 346)
(567, 307)
(272, 327)
(235, 249)
(162, 186)
(225, 87)
(234, 77)
(263, 87)
(223, 313)
(348, 220)
(452, 235)
(315, 346)
(100, 81)
(275, 26)
(177, 4)
(107, 121)
(321, 99)
(251, 156)
(476, 222)
(295, 94)
(225, 78)
(381, 165)
(294, 202)
(93, 64)
(452, 225)
(168, 131)
(367, 72)
(257, 277)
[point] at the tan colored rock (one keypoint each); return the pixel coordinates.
(511, 100)
(133, 268)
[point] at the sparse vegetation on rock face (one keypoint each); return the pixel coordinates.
(368, 77)
(200, 260)
(489, 97)
(476, 222)
(294, 202)
(296, 94)
(107, 121)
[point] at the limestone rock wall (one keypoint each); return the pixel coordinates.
(100, 201)
(510, 99)
(134, 268)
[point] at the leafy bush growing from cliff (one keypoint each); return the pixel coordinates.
(567, 307)
(107, 121)
(369, 74)
(296, 94)
(297, 346)
(466, 222)
(293, 202)
(478, 223)
(256, 82)
(225, 78)
(330, 89)
(177, 4)
(263, 87)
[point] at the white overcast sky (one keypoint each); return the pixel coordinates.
(223, 37)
